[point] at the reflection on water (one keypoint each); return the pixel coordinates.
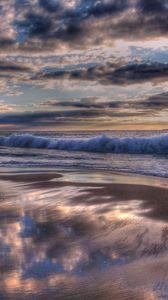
(63, 239)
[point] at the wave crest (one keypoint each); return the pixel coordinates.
(102, 144)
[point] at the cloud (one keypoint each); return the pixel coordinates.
(156, 102)
(38, 26)
(50, 6)
(84, 110)
(12, 67)
(105, 108)
(11, 75)
(150, 54)
(45, 118)
(79, 47)
(110, 74)
(66, 117)
(6, 107)
(91, 102)
(153, 7)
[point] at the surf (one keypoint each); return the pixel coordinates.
(103, 144)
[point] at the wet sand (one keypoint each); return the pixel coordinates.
(83, 236)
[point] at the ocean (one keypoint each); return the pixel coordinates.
(140, 152)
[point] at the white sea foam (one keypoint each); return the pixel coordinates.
(103, 144)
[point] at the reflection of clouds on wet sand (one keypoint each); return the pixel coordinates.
(67, 239)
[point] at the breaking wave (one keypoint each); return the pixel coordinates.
(103, 144)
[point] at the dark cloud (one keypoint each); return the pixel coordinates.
(79, 103)
(45, 25)
(110, 75)
(88, 110)
(6, 42)
(157, 102)
(36, 24)
(52, 118)
(152, 6)
(47, 118)
(38, 43)
(100, 9)
(84, 9)
(11, 67)
(50, 5)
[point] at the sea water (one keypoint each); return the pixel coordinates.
(141, 152)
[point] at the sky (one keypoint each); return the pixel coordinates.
(83, 65)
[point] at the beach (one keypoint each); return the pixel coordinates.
(83, 235)
(84, 150)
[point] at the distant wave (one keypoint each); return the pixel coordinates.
(103, 144)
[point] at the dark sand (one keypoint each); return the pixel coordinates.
(83, 236)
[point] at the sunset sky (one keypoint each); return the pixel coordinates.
(83, 64)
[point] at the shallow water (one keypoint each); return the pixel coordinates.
(61, 238)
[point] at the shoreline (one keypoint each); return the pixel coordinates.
(101, 175)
